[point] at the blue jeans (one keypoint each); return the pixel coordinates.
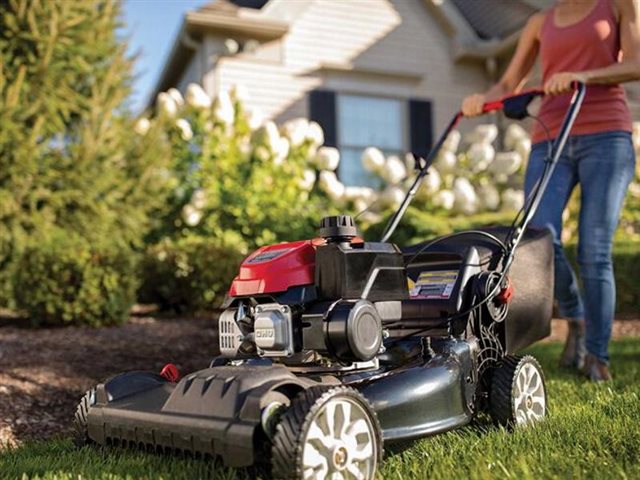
(603, 164)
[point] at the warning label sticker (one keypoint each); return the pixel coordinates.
(433, 284)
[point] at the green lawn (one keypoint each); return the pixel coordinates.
(593, 431)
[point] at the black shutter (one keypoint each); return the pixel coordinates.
(322, 109)
(420, 127)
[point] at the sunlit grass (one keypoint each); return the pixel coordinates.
(593, 431)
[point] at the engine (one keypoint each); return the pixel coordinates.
(313, 297)
(336, 298)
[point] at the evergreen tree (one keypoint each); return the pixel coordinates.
(68, 156)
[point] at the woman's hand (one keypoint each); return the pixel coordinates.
(472, 105)
(563, 82)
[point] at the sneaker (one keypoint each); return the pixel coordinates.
(574, 350)
(595, 369)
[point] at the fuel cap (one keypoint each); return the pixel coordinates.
(338, 228)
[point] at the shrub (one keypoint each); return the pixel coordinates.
(62, 279)
(418, 225)
(192, 273)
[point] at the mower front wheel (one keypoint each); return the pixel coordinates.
(80, 429)
(518, 394)
(327, 433)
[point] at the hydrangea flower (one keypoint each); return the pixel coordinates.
(512, 199)
(430, 183)
(446, 162)
(281, 151)
(196, 97)
(308, 180)
(486, 133)
(267, 136)
(177, 96)
(166, 105)
(296, 131)
(327, 158)
(523, 147)
(372, 159)
(329, 183)
(392, 196)
(466, 200)
(255, 119)
(481, 155)
(488, 196)
(514, 134)
(142, 126)
(231, 46)
(191, 215)
(223, 109)
(393, 170)
(365, 194)
(444, 199)
(452, 142)
(506, 163)
(199, 199)
(185, 129)
(315, 134)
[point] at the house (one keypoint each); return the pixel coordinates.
(385, 73)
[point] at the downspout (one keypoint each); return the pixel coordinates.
(188, 41)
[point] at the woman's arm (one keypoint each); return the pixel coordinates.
(626, 70)
(515, 74)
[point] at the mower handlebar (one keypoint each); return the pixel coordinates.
(526, 97)
(513, 106)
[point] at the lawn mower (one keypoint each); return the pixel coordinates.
(331, 348)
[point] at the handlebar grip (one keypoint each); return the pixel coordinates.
(525, 96)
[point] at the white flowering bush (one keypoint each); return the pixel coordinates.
(468, 177)
(233, 171)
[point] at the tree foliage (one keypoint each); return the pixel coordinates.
(68, 157)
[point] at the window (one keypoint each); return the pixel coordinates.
(367, 122)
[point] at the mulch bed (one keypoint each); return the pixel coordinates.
(44, 372)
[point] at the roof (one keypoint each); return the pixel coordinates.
(482, 29)
(491, 19)
(257, 4)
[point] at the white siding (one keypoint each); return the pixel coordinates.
(374, 36)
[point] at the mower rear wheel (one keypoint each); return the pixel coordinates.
(327, 433)
(81, 431)
(518, 394)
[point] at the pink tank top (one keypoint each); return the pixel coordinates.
(593, 42)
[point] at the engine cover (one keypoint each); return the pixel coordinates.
(265, 330)
(276, 268)
(273, 330)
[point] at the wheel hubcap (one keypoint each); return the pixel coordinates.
(529, 395)
(340, 443)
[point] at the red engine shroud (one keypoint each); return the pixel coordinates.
(276, 268)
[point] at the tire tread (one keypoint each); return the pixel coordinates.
(287, 446)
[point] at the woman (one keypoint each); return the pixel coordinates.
(596, 42)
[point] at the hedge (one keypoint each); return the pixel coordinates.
(190, 274)
(61, 278)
